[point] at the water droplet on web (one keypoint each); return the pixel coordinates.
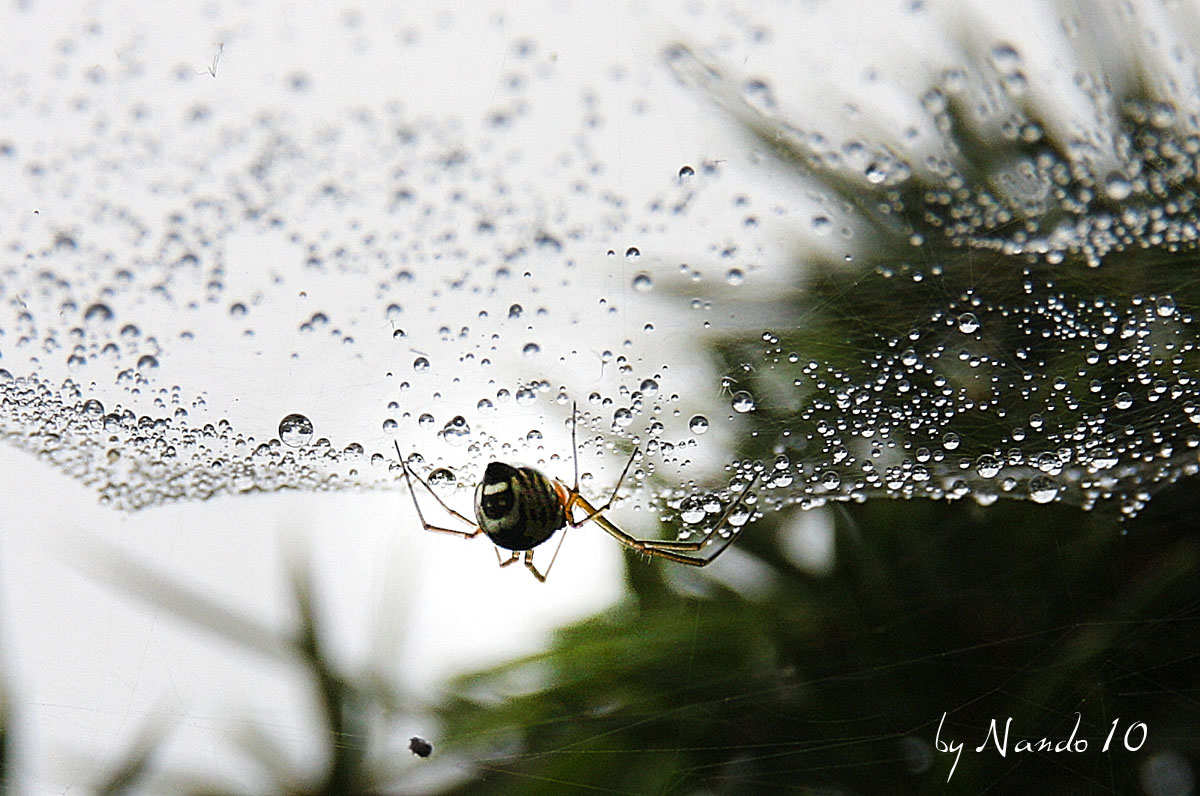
(295, 430)
(1042, 489)
(632, 253)
(734, 277)
(1117, 187)
(968, 323)
(456, 432)
(420, 365)
(648, 388)
(742, 402)
(740, 515)
(1164, 306)
(698, 424)
(830, 479)
(1123, 400)
(686, 173)
(691, 509)
(526, 396)
(622, 417)
(441, 479)
(987, 465)
(531, 350)
(98, 313)
(642, 283)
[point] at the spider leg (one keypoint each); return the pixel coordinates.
(575, 444)
(667, 549)
(541, 576)
(510, 560)
(408, 477)
(577, 499)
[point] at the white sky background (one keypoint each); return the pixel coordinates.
(87, 668)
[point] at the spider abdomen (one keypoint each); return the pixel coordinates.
(518, 507)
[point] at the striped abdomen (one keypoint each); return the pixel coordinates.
(518, 507)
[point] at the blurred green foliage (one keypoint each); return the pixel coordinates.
(837, 683)
(1045, 614)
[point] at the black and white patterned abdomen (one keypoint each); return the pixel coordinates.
(518, 507)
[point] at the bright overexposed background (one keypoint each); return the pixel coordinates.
(86, 666)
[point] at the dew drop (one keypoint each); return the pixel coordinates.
(742, 402)
(686, 173)
(1042, 489)
(531, 350)
(968, 323)
(987, 465)
(526, 396)
(456, 432)
(698, 424)
(295, 430)
(1123, 400)
(1164, 306)
(1117, 187)
(691, 510)
(632, 253)
(441, 478)
(98, 313)
(420, 364)
(642, 283)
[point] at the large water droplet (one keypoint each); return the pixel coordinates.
(1042, 489)
(295, 430)
(98, 313)
(987, 465)
(698, 424)
(691, 510)
(456, 432)
(742, 402)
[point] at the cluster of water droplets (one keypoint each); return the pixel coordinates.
(463, 314)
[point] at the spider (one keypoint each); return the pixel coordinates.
(519, 508)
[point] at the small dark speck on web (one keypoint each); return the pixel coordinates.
(420, 747)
